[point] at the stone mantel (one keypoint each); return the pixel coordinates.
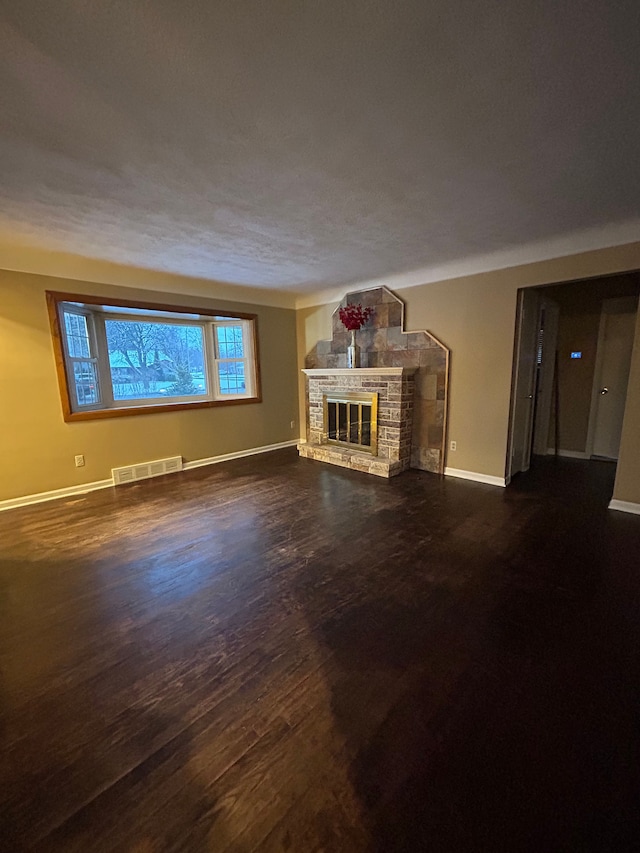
(360, 371)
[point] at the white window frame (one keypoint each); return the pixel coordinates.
(247, 359)
(98, 312)
(93, 358)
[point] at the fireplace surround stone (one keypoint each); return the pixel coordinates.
(385, 343)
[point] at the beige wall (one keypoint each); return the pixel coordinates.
(627, 486)
(475, 317)
(38, 447)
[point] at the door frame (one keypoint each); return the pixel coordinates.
(544, 389)
(517, 351)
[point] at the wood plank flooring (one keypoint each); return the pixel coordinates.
(273, 654)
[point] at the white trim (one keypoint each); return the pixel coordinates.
(523, 380)
(569, 454)
(41, 497)
(252, 451)
(477, 478)
(83, 488)
(625, 506)
(359, 371)
(547, 372)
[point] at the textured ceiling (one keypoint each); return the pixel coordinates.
(302, 145)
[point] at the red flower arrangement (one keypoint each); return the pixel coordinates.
(354, 317)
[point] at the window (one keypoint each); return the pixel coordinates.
(231, 357)
(122, 358)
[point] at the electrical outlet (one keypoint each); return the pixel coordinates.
(293, 424)
(79, 461)
(453, 445)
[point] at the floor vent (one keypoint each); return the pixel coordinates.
(146, 469)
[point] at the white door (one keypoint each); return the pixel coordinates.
(547, 345)
(523, 381)
(613, 360)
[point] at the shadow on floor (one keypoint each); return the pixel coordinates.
(501, 686)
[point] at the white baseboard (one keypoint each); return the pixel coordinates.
(225, 457)
(569, 454)
(83, 488)
(625, 506)
(55, 494)
(477, 478)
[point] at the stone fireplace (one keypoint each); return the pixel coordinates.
(361, 418)
(420, 376)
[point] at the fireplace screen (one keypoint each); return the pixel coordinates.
(351, 420)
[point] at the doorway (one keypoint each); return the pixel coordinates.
(570, 372)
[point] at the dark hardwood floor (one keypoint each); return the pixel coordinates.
(273, 654)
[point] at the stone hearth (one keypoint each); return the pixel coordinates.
(394, 387)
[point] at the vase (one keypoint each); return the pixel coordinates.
(353, 351)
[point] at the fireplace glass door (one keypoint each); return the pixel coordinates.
(351, 420)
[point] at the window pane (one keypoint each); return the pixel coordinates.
(77, 335)
(229, 341)
(155, 360)
(86, 382)
(232, 380)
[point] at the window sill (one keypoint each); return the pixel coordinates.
(123, 411)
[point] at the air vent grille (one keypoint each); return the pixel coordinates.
(144, 470)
